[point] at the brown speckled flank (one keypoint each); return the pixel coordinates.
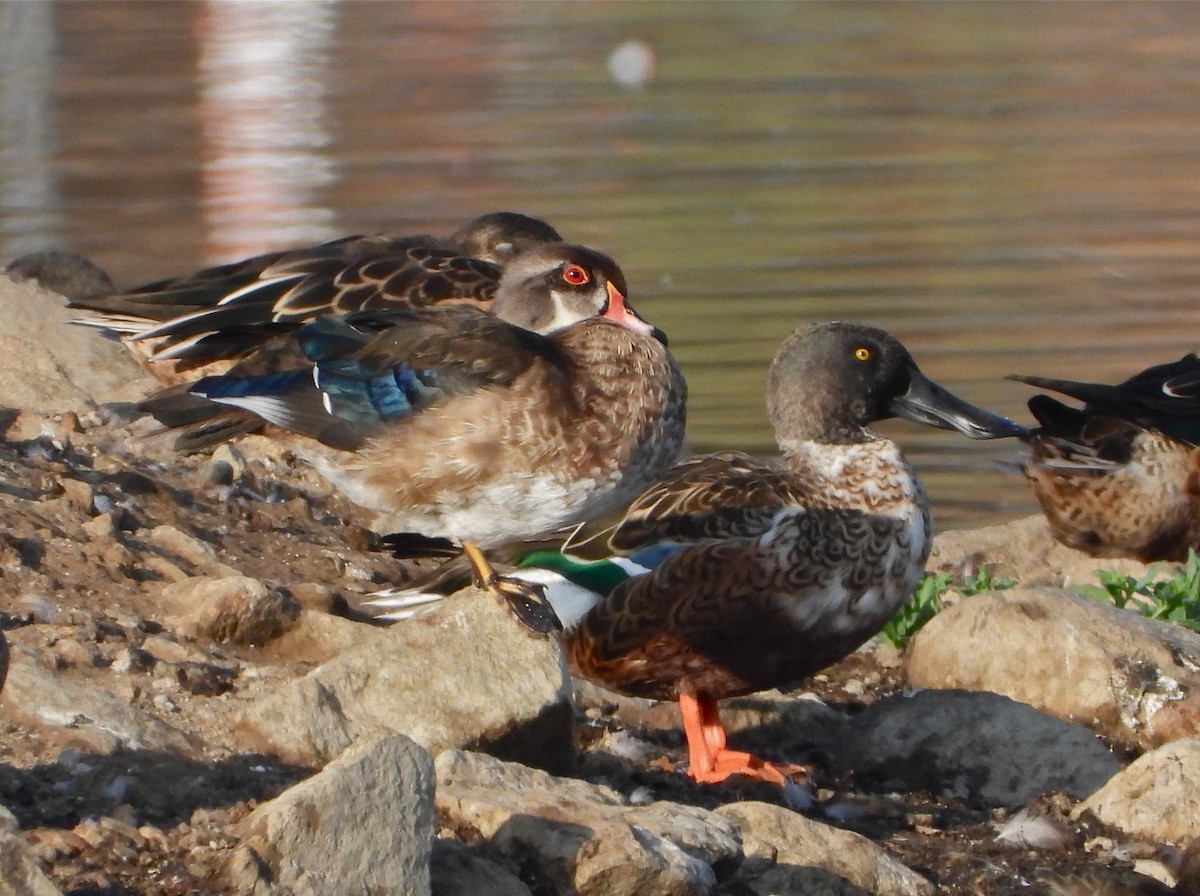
(1119, 477)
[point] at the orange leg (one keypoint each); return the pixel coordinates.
(708, 759)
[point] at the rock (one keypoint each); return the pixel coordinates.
(456, 870)
(788, 853)
(1077, 658)
(1023, 550)
(317, 637)
(464, 675)
(231, 608)
(59, 374)
(578, 837)
(80, 494)
(70, 652)
(361, 825)
(1157, 797)
(979, 746)
(226, 466)
(69, 275)
(178, 546)
(20, 872)
(86, 714)
(317, 597)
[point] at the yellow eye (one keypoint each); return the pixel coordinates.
(863, 354)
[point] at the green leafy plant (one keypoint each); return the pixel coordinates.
(921, 607)
(1175, 598)
(982, 581)
(927, 601)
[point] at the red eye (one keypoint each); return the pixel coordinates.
(575, 275)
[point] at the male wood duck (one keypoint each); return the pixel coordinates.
(748, 574)
(1120, 477)
(461, 423)
(187, 327)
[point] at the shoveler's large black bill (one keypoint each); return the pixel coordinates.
(927, 402)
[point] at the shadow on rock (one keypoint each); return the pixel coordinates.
(160, 788)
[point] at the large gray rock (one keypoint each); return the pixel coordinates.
(65, 371)
(364, 824)
(980, 746)
(20, 873)
(579, 837)
(85, 715)
(1157, 797)
(788, 853)
(464, 675)
(1133, 679)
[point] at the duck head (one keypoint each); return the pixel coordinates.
(830, 381)
(551, 287)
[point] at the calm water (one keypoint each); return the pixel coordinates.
(1008, 188)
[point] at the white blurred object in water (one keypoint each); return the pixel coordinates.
(631, 64)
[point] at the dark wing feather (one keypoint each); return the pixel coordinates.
(723, 495)
(227, 311)
(361, 371)
(1165, 397)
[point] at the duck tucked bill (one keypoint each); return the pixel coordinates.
(464, 424)
(746, 574)
(1121, 475)
(187, 327)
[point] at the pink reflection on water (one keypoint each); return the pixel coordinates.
(263, 93)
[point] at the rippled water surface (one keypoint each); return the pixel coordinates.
(1006, 187)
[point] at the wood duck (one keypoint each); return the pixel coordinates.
(464, 424)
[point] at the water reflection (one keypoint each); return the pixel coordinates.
(1005, 192)
(31, 216)
(264, 72)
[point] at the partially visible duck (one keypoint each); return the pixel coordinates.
(462, 424)
(1120, 477)
(748, 574)
(186, 327)
(65, 273)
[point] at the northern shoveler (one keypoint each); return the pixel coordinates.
(186, 327)
(463, 424)
(1120, 477)
(748, 574)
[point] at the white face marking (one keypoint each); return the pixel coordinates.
(563, 316)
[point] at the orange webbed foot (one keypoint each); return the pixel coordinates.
(710, 762)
